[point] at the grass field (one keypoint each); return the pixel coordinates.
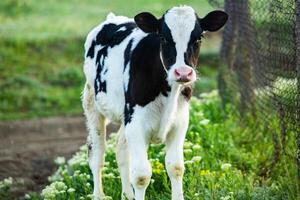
(56, 19)
(41, 52)
(223, 161)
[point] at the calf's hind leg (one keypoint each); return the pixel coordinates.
(122, 155)
(96, 139)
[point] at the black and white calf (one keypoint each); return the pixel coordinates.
(139, 73)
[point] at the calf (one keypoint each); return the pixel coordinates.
(139, 74)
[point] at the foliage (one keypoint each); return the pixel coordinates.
(42, 51)
(207, 76)
(222, 162)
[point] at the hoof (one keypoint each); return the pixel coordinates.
(126, 196)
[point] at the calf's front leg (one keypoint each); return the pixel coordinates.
(140, 168)
(174, 155)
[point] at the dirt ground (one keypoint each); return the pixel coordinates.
(28, 148)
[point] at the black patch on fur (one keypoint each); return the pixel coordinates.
(187, 92)
(91, 50)
(127, 53)
(128, 111)
(90, 146)
(147, 75)
(192, 53)
(106, 70)
(167, 46)
(109, 36)
(100, 86)
(196, 34)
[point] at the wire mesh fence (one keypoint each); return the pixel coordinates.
(260, 74)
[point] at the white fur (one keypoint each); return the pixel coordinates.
(163, 120)
(168, 112)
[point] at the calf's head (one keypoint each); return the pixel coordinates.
(180, 31)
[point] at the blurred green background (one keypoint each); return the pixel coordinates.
(41, 52)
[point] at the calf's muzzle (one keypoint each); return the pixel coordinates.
(183, 74)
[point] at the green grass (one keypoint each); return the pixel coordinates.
(42, 79)
(41, 52)
(223, 160)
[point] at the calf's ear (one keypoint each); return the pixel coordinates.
(147, 22)
(213, 21)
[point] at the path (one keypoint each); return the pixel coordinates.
(28, 148)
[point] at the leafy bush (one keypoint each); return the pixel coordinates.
(221, 160)
(5, 187)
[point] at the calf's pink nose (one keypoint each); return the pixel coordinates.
(183, 74)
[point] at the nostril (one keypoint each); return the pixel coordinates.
(190, 72)
(177, 73)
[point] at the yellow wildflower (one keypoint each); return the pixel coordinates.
(157, 167)
(204, 172)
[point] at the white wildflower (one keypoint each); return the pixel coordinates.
(71, 190)
(196, 147)
(225, 166)
(204, 122)
(27, 196)
(188, 151)
(188, 162)
(60, 160)
(109, 175)
(8, 181)
(197, 158)
(187, 145)
(225, 198)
